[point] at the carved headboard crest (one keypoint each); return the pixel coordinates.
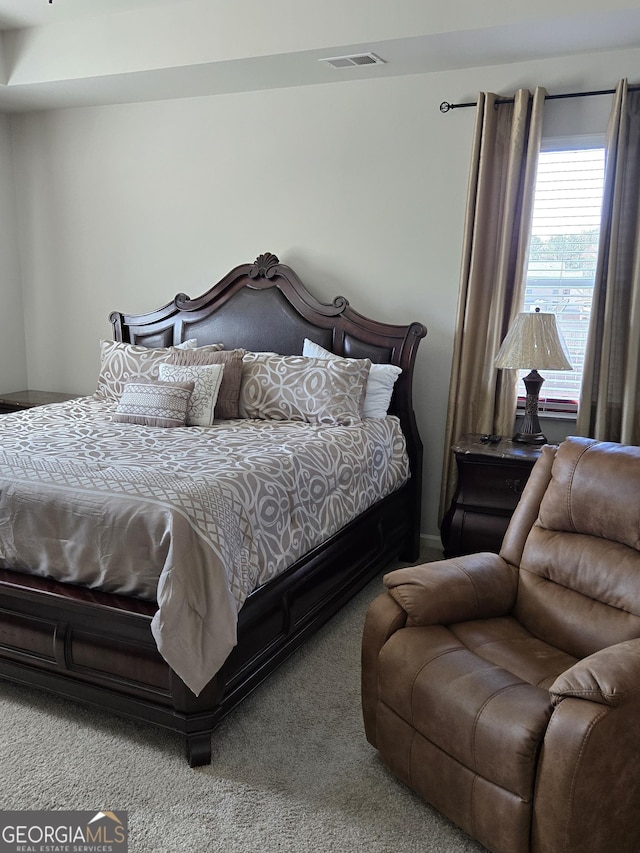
(264, 266)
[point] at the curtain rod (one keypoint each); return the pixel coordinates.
(445, 106)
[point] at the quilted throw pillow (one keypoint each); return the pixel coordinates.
(231, 360)
(206, 380)
(290, 387)
(382, 378)
(154, 404)
(121, 363)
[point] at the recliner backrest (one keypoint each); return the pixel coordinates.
(579, 572)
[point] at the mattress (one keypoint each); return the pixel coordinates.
(193, 518)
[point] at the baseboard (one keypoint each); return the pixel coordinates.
(430, 541)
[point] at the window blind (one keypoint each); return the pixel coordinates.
(562, 257)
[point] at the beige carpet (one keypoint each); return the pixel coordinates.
(292, 770)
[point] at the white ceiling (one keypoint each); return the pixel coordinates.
(82, 52)
(15, 14)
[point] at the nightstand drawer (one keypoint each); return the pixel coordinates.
(491, 486)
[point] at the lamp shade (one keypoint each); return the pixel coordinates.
(534, 342)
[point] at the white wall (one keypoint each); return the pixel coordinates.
(359, 186)
(13, 365)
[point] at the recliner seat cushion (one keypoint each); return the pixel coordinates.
(507, 643)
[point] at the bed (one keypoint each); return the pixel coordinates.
(100, 643)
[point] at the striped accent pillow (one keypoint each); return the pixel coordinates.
(154, 404)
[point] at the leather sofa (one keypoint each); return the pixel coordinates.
(505, 688)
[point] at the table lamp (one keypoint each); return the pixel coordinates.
(533, 342)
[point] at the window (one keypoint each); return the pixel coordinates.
(562, 257)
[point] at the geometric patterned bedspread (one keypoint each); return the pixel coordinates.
(193, 518)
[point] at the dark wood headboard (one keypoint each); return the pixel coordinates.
(264, 306)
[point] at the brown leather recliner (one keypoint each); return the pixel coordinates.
(505, 689)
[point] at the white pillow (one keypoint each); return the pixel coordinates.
(206, 380)
(379, 388)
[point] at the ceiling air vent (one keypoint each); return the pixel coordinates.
(354, 59)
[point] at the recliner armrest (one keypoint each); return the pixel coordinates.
(610, 676)
(475, 586)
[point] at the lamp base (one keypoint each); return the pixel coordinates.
(530, 427)
(530, 438)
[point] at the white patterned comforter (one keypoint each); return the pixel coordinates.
(193, 518)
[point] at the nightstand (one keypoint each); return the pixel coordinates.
(19, 400)
(491, 478)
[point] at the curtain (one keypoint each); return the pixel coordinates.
(609, 406)
(496, 240)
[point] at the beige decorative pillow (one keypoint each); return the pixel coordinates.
(206, 380)
(294, 388)
(379, 390)
(227, 402)
(154, 404)
(121, 363)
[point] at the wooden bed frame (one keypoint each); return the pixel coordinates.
(97, 648)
